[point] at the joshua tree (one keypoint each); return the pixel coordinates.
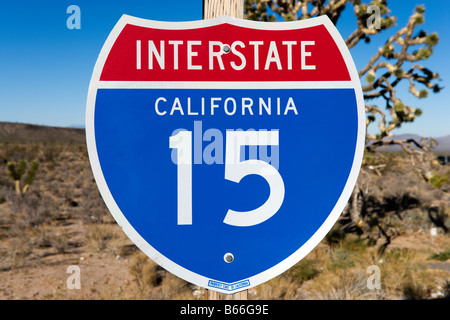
(16, 173)
(397, 61)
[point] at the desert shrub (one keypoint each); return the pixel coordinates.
(340, 259)
(403, 276)
(19, 249)
(16, 151)
(446, 289)
(30, 209)
(304, 270)
(438, 180)
(279, 288)
(438, 216)
(173, 288)
(335, 235)
(101, 237)
(348, 284)
(383, 206)
(345, 250)
(354, 243)
(146, 273)
(49, 155)
(156, 283)
(93, 206)
(412, 290)
(441, 256)
(60, 242)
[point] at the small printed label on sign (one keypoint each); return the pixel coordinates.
(228, 286)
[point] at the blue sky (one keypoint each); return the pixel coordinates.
(45, 68)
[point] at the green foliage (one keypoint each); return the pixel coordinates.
(420, 9)
(335, 236)
(388, 50)
(432, 39)
(441, 256)
(424, 53)
(420, 19)
(345, 255)
(145, 272)
(288, 17)
(21, 168)
(399, 106)
(370, 78)
(341, 259)
(387, 23)
(12, 171)
(413, 291)
(361, 10)
(304, 270)
(398, 72)
(394, 63)
(34, 165)
(438, 180)
(256, 10)
(423, 93)
(17, 171)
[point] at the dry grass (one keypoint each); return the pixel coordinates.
(341, 272)
(157, 284)
(62, 220)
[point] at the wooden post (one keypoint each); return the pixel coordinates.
(212, 9)
(213, 295)
(217, 8)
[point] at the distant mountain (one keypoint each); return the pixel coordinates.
(20, 132)
(444, 144)
(77, 126)
(442, 147)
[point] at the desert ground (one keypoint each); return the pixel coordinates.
(61, 221)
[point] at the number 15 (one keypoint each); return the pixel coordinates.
(235, 170)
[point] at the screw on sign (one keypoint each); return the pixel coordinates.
(213, 142)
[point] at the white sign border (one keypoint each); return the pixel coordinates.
(140, 242)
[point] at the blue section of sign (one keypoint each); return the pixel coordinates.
(316, 151)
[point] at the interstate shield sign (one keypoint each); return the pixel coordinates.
(226, 149)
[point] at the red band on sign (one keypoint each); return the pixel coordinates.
(224, 53)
